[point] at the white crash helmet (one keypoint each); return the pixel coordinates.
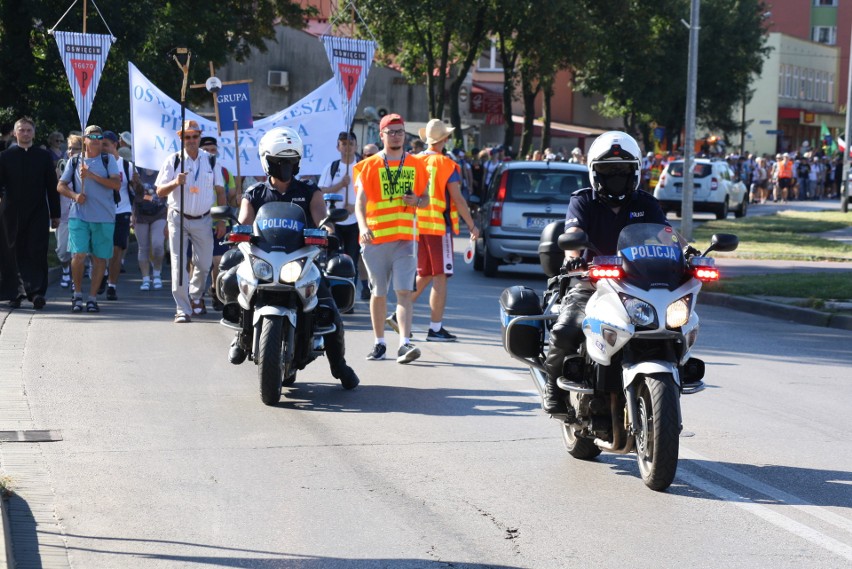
(283, 143)
(614, 162)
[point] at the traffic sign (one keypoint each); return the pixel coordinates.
(774, 132)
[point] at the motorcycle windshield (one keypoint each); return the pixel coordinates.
(280, 226)
(652, 255)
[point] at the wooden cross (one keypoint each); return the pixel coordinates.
(238, 180)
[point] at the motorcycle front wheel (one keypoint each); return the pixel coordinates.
(658, 438)
(269, 360)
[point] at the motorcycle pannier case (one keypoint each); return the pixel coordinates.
(340, 272)
(549, 254)
(527, 337)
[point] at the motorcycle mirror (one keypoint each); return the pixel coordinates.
(573, 241)
(724, 242)
(223, 213)
(337, 215)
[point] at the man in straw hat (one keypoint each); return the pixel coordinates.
(435, 220)
(202, 186)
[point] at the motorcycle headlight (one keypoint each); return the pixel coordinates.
(291, 272)
(640, 312)
(261, 269)
(677, 314)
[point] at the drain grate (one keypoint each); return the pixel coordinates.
(30, 436)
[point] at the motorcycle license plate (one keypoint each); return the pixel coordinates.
(540, 222)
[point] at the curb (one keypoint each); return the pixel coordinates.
(780, 311)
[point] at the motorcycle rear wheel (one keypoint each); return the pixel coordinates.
(269, 364)
(658, 439)
(578, 447)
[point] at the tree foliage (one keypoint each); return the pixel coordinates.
(33, 80)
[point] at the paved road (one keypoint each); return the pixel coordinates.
(167, 458)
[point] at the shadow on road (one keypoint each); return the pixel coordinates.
(396, 399)
(244, 557)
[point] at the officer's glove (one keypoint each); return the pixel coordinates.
(576, 264)
(690, 252)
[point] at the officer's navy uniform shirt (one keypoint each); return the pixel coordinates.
(298, 193)
(602, 225)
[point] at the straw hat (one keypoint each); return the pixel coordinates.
(435, 131)
(189, 126)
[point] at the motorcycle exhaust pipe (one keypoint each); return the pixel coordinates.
(616, 445)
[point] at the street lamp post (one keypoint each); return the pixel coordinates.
(844, 182)
(689, 143)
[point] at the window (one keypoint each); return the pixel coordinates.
(797, 92)
(788, 82)
(824, 34)
(489, 60)
(825, 2)
(831, 87)
(781, 80)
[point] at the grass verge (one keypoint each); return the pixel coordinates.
(819, 286)
(785, 235)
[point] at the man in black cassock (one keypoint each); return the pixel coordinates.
(29, 207)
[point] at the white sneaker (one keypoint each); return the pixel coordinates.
(146, 284)
(407, 353)
(158, 283)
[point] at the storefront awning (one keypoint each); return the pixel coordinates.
(563, 130)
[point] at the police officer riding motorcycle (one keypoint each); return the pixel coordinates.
(280, 152)
(602, 211)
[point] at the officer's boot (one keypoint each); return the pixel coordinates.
(335, 349)
(553, 400)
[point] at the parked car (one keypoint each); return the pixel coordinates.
(522, 198)
(716, 188)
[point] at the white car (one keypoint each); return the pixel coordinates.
(716, 189)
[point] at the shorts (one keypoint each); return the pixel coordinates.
(386, 260)
(435, 255)
(121, 235)
(785, 183)
(90, 237)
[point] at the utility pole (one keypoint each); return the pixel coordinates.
(689, 143)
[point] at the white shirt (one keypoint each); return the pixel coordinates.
(327, 181)
(124, 205)
(201, 181)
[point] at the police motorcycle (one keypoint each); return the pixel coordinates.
(270, 294)
(622, 389)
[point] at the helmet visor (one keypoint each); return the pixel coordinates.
(614, 168)
(282, 168)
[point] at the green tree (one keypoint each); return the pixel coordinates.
(33, 80)
(639, 61)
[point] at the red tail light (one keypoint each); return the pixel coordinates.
(706, 274)
(497, 208)
(605, 272)
(239, 238)
(663, 179)
(714, 184)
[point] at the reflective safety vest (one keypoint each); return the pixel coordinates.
(785, 169)
(387, 215)
(433, 218)
(656, 170)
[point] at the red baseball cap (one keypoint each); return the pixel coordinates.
(390, 119)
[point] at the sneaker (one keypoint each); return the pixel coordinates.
(39, 302)
(198, 307)
(92, 306)
(392, 322)
(146, 284)
(103, 285)
(111, 293)
(182, 319)
(407, 353)
(77, 305)
(378, 352)
(440, 336)
(158, 282)
(65, 281)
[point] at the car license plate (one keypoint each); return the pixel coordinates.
(540, 222)
(678, 187)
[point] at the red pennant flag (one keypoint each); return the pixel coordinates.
(349, 75)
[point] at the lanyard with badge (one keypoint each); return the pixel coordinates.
(193, 189)
(393, 177)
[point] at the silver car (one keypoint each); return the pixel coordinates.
(522, 198)
(717, 189)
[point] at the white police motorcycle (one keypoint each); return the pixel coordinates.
(622, 389)
(270, 296)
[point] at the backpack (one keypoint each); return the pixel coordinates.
(105, 158)
(336, 165)
(131, 194)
